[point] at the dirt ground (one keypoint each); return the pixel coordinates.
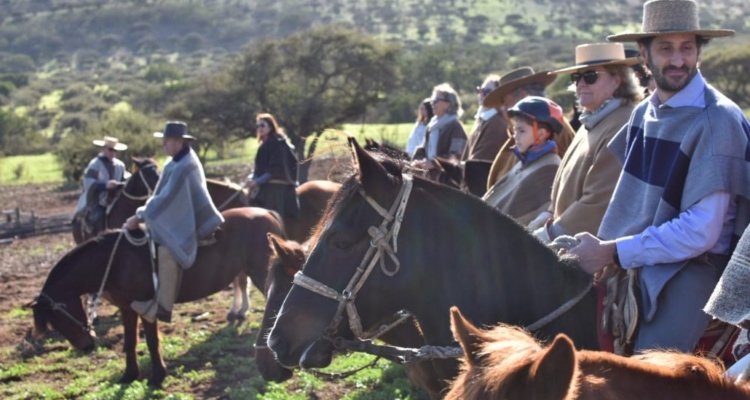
(25, 263)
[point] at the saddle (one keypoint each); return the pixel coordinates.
(618, 313)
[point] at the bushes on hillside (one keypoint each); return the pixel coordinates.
(75, 149)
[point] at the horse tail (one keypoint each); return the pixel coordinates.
(279, 218)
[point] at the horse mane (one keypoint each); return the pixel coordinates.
(68, 261)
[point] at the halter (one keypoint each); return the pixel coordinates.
(63, 309)
(380, 237)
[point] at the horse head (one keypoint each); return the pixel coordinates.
(143, 179)
(66, 315)
(341, 239)
(288, 258)
(507, 363)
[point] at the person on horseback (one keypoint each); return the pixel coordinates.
(102, 174)
(273, 183)
(607, 93)
(683, 197)
(525, 190)
(513, 87)
(178, 214)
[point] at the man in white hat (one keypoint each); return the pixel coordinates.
(178, 214)
(105, 171)
(681, 200)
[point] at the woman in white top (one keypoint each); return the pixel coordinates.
(424, 115)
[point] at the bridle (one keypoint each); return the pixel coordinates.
(149, 189)
(62, 308)
(379, 244)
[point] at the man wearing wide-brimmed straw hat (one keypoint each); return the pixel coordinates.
(682, 198)
(178, 214)
(103, 173)
(512, 88)
(606, 92)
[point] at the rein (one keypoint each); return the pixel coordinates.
(380, 236)
(135, 242)
(231, 198)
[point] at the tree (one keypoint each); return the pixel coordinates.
(316, 79)
(728, 68)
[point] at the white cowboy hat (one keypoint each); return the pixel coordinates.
(112, 143)
(669, 16)
(598, 54)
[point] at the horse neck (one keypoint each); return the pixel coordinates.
(475, 257)
(79, 272)
(605, 375)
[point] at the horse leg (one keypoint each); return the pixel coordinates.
(130, 323)
(158, 368)
(240, 299)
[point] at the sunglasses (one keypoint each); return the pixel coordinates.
(483, 91)
(590, 77)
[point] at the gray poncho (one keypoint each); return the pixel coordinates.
(672, 158)
(181, 210)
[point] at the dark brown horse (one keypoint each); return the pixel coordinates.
(289, 256)
(452, 249)
(127, 198)
(313, 198)
(241, 246)
(508, 363)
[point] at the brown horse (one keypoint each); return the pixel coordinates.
(241, 245)
(452, 249)
(508, 363)
(313, 198)
(288, 258)
(127, 198)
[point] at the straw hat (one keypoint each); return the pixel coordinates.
(513, 80)
(174, 129)
(669, 16)
(111, 142)
(598, 54)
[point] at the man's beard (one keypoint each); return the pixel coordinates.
(663, 83)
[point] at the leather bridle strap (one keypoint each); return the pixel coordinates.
(379, 244)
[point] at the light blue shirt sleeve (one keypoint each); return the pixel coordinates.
(700, 228)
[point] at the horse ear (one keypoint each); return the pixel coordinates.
(276, 243)
(467, 335)
(551, 376)
(372, 174)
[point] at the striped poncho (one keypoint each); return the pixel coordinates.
(181, 211)
(672, 158)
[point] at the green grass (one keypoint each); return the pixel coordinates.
(18, 170)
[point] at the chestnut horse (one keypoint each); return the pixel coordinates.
(452, 249)
(241, 246)
(287, 260)
(507, 363)
(127, 198)
(313, 198)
